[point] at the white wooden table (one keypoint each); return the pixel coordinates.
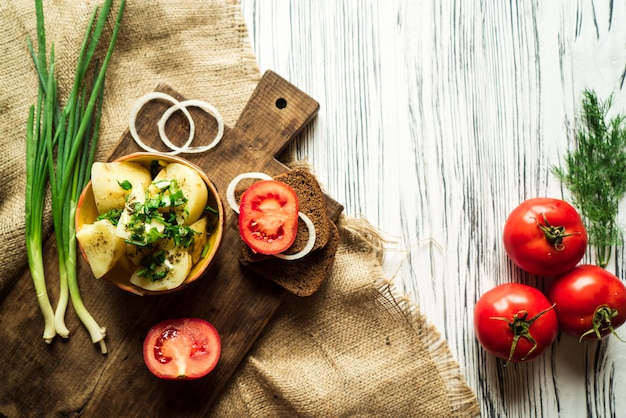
(437, 118)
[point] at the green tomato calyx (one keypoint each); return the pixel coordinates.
(520, 327)
(602, 322)
(554, 234)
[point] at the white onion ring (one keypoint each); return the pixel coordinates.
(207, 107)
(232, 202)
(309, 244)
(135, 111)
(230, 190)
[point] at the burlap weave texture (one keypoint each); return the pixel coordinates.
(354, 348)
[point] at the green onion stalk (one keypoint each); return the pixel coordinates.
(69, 155)
(37, 134)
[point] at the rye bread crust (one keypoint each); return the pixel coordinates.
(304, 276)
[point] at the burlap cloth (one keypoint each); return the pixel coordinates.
(355, 348)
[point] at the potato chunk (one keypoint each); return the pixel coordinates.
(193, 187)
(107, 177)
(101, 246)
(199, 240)
(177, 266)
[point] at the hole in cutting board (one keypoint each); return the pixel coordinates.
(281, 103)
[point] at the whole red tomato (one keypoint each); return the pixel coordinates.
(545, 236)
(515, 322)
(590, 302)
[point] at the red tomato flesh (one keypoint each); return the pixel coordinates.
(268, 217)
(545, 236)
(590, 302)
(182, 348)
(515, 322)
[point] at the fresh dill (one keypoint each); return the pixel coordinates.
(595, 173)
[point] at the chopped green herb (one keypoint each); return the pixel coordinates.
(595, 173)
(112, 216)
(153, 266)
(211, 210)
(182, 235)
(149, 222)
(205, 250)
(125, 185)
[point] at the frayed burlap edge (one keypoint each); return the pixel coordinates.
(248, 57)
(463, 401)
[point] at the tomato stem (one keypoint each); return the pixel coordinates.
(554, 234)
(520, 327)
(602, 322)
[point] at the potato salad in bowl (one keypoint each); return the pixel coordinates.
(149, 223)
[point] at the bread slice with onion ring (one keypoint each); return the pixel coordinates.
(312, 203)
(303, 275)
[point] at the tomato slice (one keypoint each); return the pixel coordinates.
(268, 216)
(182, 349)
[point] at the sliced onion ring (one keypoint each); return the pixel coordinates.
(309, 244)
(207, 107)
(135, 111)
(230, 190)
(232, 201)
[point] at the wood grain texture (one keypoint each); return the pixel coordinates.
(72, 377)
(436, 120)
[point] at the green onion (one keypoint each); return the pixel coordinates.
(36, 179)
(64, 144)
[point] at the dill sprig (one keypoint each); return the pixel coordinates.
(595, 173)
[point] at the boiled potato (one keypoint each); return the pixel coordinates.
(101, 246)
(193, 187)
(109, 194)
(106, 179)
(199, 240)
(178, 265)
(136, 195)
(135, 253)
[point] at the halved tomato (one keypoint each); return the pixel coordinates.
(268, 216)
(182, 349)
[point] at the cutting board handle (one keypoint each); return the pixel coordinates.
(274, 114)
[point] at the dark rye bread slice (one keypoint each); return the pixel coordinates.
(304, 276)
(312, 203)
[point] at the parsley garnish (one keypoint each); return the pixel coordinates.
(211, 209)
(125, 185)
(158, 218)
(595, 173)
(153, 266)
(112, 216)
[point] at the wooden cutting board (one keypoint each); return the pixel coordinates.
(72, 376)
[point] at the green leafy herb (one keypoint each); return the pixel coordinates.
(211, 210)
(152, 266)
(112, 216)
(125, 185)
(157, 218)
(595, 173)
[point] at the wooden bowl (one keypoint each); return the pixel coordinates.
(87, 212)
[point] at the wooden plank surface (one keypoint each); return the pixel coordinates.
(436, 119)
(72, 377)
